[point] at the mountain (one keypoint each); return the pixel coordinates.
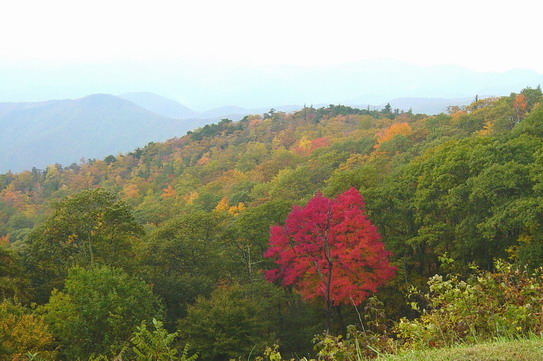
(428, 105)
(160, 105)
(172, 109)
(64, 131)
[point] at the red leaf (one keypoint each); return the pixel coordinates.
(330, 249)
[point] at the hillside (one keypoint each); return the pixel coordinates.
(448, 195)
(64, 131)
(286, 156)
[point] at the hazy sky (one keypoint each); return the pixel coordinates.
(481, 35)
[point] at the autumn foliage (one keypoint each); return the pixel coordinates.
(395, 129)
(306, 146)
(330, 249)
(519, 106)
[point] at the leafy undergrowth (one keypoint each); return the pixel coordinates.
(508, 350)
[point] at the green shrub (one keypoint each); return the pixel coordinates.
(506, 303)
(152, 345)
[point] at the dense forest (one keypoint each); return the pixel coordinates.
(165, 253)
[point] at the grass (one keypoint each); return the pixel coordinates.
(503, 350)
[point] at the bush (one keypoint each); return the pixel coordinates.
(152, 345)
(506, 303)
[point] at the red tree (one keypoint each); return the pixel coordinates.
(330, 249)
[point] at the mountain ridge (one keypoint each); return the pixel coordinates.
(64, 131)
(159, 105)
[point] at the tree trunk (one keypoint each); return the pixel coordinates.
(342, 326)
(328, 298)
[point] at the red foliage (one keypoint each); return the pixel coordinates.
(330, 249)
(319, 143)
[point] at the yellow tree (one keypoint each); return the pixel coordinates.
(22, 332)
(395, 129)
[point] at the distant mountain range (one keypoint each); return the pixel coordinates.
(170, 108)
(429, 105)
(64, 131)
(36, 134)
(201, 86)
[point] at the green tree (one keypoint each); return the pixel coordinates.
(152, 345)
(182, 260)
(232, 322)
(13, 283)
(293, 184)
(98, 310)
(91, 227)
(248, 233)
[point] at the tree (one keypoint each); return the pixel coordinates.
(233, 321)
(22, 332)
(394, 130)
(13, 282)
(248, 234)
(98, 310)
(182, 260)
(329, 249)
(89, 227)
(519, 106)
(387, 109)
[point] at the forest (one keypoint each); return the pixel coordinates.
(331, 233)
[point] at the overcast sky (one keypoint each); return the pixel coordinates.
(480, 35)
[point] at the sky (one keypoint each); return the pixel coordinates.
(480, 35)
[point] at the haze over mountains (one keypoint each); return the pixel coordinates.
(160, 105)
(203, 86)
(170, 108)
